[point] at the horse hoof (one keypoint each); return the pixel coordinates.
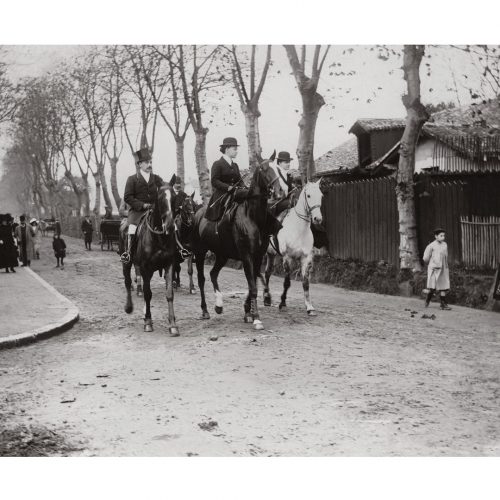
(312, 312)
(139, 294)
(174, 331)
(129, 308)
(205, 315)
(192, 291)
(218, 309)
(257, 325)
(247, 318)
(282, 307)
(148, 328)
(267, 300)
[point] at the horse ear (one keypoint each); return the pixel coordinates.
(172, 180)
(192, 194)
(273, 156)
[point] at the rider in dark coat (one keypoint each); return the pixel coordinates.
(140, 193)
(178, 197)
(225, 177)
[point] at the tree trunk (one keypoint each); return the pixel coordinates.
(200, 152)
(114, 183)
(311, 104)
(97, 203)
(415, 119)
(104, 185)
(179, 150)
(86, 195)
(253, 137)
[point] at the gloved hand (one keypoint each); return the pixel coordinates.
(146, 206)
(230, 188)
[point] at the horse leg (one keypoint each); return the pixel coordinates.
(214, 274)
(286, 283)
(268, 272)
(306, 265)
(200, 268)
(138, 280)
(148, 321)
(249, 268)
(173, 329)
(176, 279)
(129, 306)
(247, 307)
(190, 273)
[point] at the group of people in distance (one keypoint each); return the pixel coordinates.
(20, 242)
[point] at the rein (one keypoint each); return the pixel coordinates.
(309, 209)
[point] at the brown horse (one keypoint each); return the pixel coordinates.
(244, 239)
(185, 222)
(155, 251)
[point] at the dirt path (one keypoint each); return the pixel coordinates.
(362, 378)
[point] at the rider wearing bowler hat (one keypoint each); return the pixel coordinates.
(225, 177)
(140, 194)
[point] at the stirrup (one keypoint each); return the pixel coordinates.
(125, 258)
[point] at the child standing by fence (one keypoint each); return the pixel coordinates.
(59, 247)
(438, 274)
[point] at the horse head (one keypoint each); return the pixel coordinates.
(163, 208)
(312, 201)
(269, 178)
(187, 210)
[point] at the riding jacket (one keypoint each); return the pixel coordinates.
(138, 192)
(222, 177)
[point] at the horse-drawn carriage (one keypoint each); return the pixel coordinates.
(110, 232)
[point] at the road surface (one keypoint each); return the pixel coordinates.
(365, 377)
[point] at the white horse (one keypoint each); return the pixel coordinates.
(295, 241)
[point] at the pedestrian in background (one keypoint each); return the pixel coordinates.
(87, 230)
(438, 274)
(37, 239)
(57, 227)
(59, 247)
(24, 235)
(8, 250)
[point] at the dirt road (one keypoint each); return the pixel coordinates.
(364, 377)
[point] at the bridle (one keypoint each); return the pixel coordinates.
(307, 216)
(147, 220)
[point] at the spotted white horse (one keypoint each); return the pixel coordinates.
(295, 241)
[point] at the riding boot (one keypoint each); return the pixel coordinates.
(127, 255)
(444, 304)
(430, 293)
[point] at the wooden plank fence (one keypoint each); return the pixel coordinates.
(361, 220)
(480, 241)
(361, 217)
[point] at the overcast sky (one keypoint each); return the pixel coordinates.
(373, 91)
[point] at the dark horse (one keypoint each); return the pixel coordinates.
(155, 251)
(245, 239)
(185, 222)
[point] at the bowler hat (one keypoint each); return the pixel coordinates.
(284, 156)
(229, 142)
(142, 155)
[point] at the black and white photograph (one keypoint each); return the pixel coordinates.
(249, 250)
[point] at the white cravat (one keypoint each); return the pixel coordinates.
(229, 160)
(146, 176)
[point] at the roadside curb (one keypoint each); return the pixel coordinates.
(46, 331)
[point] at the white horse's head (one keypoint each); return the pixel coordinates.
(313, 197)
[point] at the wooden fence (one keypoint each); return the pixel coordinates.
(361, 217)
(361, 220)
(481, 241)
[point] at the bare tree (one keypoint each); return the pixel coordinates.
(197, 67)
(311, 103)
(171, 110)
(249, 95)
(415, 118)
